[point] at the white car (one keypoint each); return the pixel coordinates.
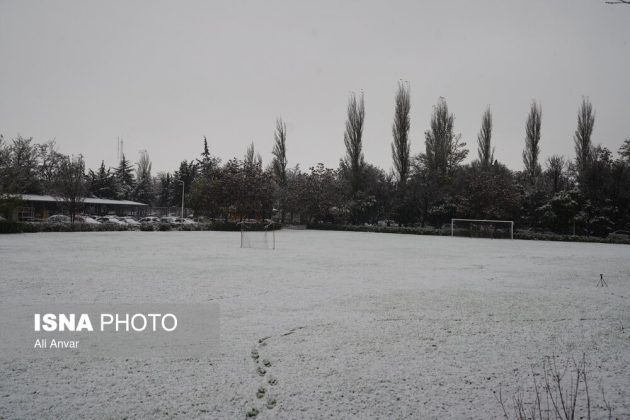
(185, 221)
(58, 218)
(151, 220)
(130, 221)
(110, 220)
(171, 220)
(87, 220)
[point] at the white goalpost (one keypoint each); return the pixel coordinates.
(253, 237)
(481, 227)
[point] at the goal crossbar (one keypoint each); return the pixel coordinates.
(247, 236)
(511, 222)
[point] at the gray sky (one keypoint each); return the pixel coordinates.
(163, 74)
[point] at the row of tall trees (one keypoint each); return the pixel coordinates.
(586, 194)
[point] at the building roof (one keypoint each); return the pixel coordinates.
(87, 200)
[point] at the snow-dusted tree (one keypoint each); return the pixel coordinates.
(582, 138)
(532, 142)
(401, 145)
(252, 158)
(353, 163)
(124, 179)
(624, 150)
(163, 193)
(70, 184)
(101, 183)
(49, 161)
(208, 163)
(22, 165)
(555, 174)
(485, 151)
(280, 153)
(444, 151)
(187, 173)
(143, 191)
(279, 164)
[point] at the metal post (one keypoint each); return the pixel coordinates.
(451, 227)
(182, 222)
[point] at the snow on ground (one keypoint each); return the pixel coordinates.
(353, 325)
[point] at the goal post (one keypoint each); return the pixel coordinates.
(256, 235)
(481, 227)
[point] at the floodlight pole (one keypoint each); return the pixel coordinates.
(181, 227)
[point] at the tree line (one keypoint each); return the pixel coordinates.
(586, 194)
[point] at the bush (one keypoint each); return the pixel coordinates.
(560, 392)
(22, 227)
(526, 235)
(164, 227)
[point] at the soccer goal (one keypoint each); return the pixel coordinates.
(255, 235)
(481, 228)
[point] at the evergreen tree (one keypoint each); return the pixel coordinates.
(143, 191)
(353, 163)
(401, 145)
(279, 165)
(123, 175)
(208, 163)
(280, 153)
(102, 183)
(582, 138)
(485, 151)
(532, 143)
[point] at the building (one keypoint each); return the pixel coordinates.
(40, 207)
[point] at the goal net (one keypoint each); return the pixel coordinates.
(255, 235)
(480, 228)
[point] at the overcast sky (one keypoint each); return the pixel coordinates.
(162, 74)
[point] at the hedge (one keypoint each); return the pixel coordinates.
(22, 227)
(446, 232)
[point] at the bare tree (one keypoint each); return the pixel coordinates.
(353, 163)
(70, 185)
(280, 153)
(532, 142)
(582, 137)
(443, 149)
(400, 130)
(485, 151)
(555, 173)
(143, 190)
(252, 158)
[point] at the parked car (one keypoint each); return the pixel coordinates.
(59, 218)
(170, 220)
(110, 220)
(186, 221)
(86, 219)
(620, 234)
(151, 220)
(130, 221)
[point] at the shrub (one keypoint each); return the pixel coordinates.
(526, 235)
(561, 392)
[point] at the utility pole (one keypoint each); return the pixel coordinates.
(182, 222)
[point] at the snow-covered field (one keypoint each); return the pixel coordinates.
(359, 325)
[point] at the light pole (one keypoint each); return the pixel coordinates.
(181, 227)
